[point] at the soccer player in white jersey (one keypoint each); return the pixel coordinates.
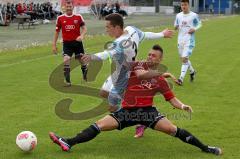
(136, 36)
(187, 23)
(123, 52)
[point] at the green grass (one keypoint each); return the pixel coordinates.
(27, 102)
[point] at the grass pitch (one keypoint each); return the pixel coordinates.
(27, 102)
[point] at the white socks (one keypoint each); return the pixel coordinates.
(191, 69)
(184, 69)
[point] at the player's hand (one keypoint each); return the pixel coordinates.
(54, 49)
(191, 31)
(187, 108)
(86, 58)
(174, 79)
(79, 38)
(168, 33)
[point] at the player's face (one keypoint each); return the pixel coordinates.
(69, 8)
(154, 57)
(185, 7)
(110, 29)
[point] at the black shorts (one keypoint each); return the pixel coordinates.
(70, 47)
(147, 116)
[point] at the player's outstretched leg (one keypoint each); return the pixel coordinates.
(167, 127)
(59, 141)
(105, 124)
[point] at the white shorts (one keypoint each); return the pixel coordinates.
(185, 50)
(107, 85)
(115, 95)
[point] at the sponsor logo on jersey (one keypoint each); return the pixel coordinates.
(75, 21)
(70, 27)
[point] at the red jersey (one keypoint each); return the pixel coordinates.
(140, 93)
(20, 9)
(70, 26)
(24, 8)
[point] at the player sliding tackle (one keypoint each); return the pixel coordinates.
(124, 50)
(138, 108)
(130, 37)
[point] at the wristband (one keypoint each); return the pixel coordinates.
(182, 106)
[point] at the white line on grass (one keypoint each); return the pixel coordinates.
(25, 61)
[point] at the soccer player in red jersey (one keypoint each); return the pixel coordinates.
(71, 24)
(137, 108)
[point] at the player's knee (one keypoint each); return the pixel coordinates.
(184, 59)
(103, 94)
(66, 59)
(172, 130)
(100, 124)
(112, 109)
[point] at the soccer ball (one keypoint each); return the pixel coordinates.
(26, 141)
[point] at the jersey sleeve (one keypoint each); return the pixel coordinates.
(176, 22)
(164, 89)
(196, 22)
(107, 54)
(82, 22)
(152, 36)
(139, 32)
(58, 24)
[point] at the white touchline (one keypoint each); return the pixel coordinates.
(26, 61)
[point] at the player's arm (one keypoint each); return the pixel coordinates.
(83, 29)
(58, 28)
(167, 33)
(146, 74)
(197, 24)
(83, 33)
(176, 23)
(176, 103)
(169, 96)
(169, 75)
(101, 56)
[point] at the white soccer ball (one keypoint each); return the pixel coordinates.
(26, 141)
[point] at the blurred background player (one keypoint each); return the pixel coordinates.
(138, 108)
(187, 22)
(71, 24)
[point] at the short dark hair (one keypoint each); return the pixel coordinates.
(183, 1)
(115, 19)
(158, 48)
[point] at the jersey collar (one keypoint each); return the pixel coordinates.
(69, 15)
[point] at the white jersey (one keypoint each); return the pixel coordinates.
(123, 53)
(136, 35)
(185, 22)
